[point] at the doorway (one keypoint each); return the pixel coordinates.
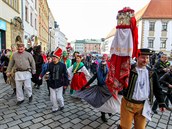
(2, 40)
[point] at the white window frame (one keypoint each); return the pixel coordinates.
(151, 26)
(164, 26)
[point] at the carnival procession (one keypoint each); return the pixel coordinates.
(121, 81)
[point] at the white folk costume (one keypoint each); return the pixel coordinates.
(77, 74)
(138, 96)
(124, 46)
(24, 65)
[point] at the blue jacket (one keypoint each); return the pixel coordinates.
(44, 69)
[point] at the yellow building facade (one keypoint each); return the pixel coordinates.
(43, 24)
(10, 22)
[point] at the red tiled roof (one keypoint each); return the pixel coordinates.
(158, 9)
(140, 13)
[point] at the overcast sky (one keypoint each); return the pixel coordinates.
(86, 19)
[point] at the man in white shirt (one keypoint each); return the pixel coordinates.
(137, 97)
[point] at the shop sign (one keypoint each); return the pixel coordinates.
(3, 25)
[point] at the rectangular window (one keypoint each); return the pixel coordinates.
(164, 26)
(16, 2)
(31, 23)
(150, 43)
(163, 43)
(35, 24)
(26, 14)
(36, 4)
(11, 3)
(151, 26)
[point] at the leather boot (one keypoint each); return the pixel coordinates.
(38, 86)
(103, 117)
(119, 127)
(110, 114)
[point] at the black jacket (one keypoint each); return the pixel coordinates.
(58, 76)
(159, 66)
(165, 80)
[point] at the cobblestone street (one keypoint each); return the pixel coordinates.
(77, 114)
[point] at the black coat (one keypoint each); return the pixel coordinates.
(58, 76)
(165, 80)
(39, 62)
(159, 66)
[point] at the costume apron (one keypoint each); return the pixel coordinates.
(79, 78)
(124, 46)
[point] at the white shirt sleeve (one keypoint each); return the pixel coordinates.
(85, 71)
(70, 74)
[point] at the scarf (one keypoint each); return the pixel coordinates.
(77, 66)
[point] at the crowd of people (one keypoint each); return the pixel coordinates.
(164, 71)
(21, 67)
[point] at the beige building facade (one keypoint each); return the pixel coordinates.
(88, 46)
(43, 31)
(10, 22)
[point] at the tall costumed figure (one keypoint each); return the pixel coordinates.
(124, 47)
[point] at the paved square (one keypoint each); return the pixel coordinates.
(77, 114)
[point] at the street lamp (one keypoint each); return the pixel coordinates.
(50, 28)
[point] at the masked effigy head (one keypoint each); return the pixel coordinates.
(124, 16)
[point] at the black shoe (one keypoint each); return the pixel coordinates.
(155, 112)
(61, 108)
(119, 127)
(103, 118)
(30, 99)
(54, 111)
(14, 94)
(38, 87)
(110, 114)
(20, 102)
